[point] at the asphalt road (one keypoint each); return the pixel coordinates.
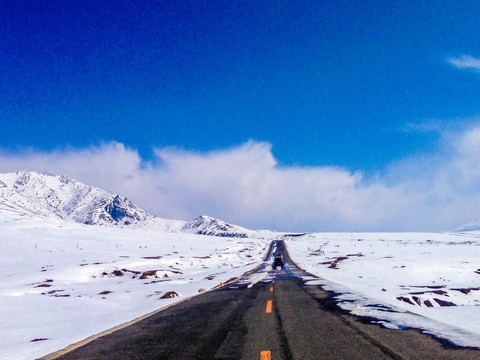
(278, 317)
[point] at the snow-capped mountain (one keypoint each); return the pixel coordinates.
(206, 225)
(46, 196)
(30, 194)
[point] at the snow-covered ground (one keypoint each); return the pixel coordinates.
(61, 282)
(429, 281)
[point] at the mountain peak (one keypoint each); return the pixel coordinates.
(41, 195)
(35, 195)
(206, 225)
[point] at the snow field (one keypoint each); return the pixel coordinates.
(62, 282)
(392, 276)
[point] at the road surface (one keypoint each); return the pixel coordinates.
(270, 314)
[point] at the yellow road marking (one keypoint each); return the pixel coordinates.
(273, 281)
(265, 355)
(269, 306)
(271, 289)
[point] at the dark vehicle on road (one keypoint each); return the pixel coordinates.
(278, 262)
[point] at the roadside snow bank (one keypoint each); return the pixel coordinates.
(62, 282)
(429, 281)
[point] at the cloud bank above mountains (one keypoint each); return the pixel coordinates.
(246, 185)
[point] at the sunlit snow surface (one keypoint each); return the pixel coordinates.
(396, 277)
(58, 286)
(58, 283)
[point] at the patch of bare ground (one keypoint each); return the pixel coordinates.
(467, 290)
(43, 285)
(415, 299)
(333, 264)
(438, 292)
(428, 303)
(135, 273)
(149, 274)
(169, 295)
(114, 273)
(405, 299)
(158, 274)
(444, 303)
(54, 293)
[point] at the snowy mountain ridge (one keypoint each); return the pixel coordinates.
(206, 225)
(46, 196)
(34, 195)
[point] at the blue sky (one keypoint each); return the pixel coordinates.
(357, 85)
(327, 83)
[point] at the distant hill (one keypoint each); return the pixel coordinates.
(206, 225)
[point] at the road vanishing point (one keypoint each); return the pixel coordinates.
(278, 317)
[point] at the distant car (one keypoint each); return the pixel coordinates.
(278, 262)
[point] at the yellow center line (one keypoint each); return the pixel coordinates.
(271, 289)
(269, 307)
(273, 281)
(265, 355)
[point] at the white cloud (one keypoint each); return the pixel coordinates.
(465, 62)
(245, 185)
